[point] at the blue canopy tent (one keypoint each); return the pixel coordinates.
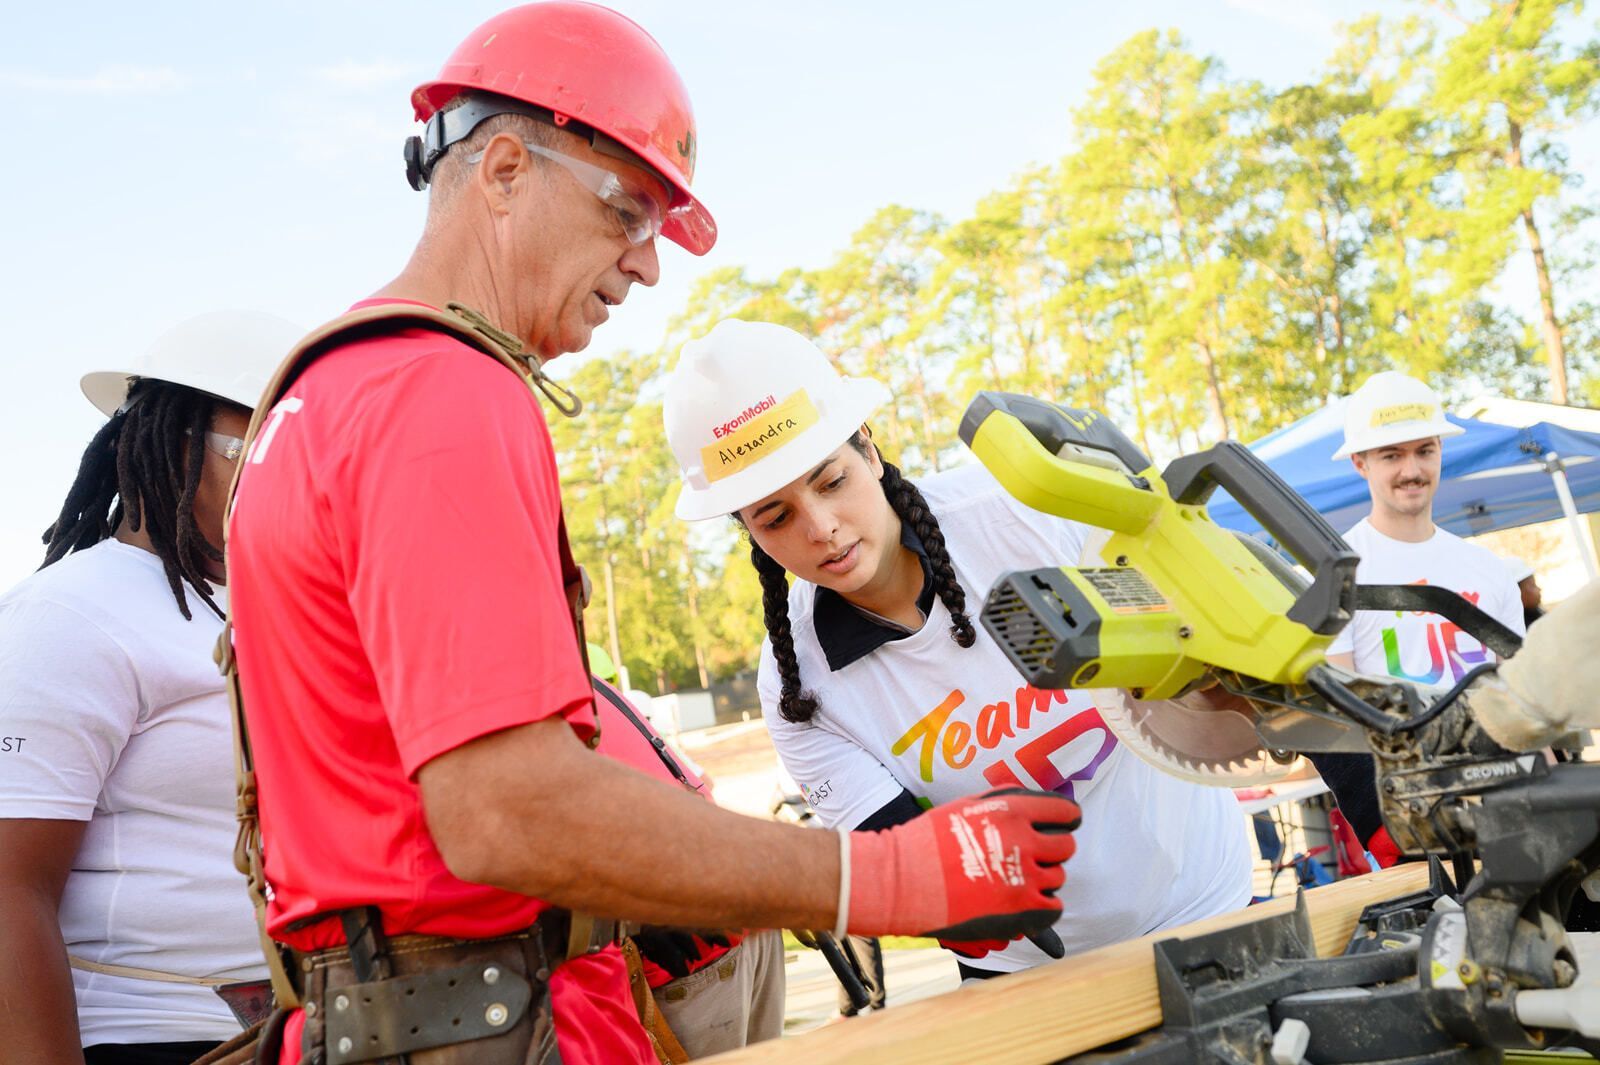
(1494, 476)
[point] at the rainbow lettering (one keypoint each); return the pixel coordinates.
(1442, 650)
(957, 743)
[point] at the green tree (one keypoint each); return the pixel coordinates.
(1159, 129)
(1513, 80)
(1427, 257)
(872, 316)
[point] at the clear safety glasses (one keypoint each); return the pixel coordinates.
(640, 216)
(229, 447)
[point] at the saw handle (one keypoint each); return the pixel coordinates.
(1054, 426)
(1327, 604)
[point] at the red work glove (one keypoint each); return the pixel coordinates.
(983, 868)
(1046, 941)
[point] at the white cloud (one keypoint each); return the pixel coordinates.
(112, 80)
(1304, 15)
(349, 74)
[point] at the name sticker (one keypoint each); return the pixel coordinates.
(759, 436)
(1403, 412)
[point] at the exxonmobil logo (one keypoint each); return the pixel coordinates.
(727, 427)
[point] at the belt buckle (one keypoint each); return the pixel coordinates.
(588, 934)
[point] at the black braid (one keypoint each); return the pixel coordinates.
(913, 509)
(144, 466)
(795, 705)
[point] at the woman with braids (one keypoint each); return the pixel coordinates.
(120, 910)
(881, 694)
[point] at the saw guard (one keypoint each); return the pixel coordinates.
(1218, 748)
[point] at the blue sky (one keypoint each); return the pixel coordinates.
(174, 158)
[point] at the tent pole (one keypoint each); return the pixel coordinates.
(1558, 473)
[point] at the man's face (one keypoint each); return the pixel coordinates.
(573, 254)
(1402, 478)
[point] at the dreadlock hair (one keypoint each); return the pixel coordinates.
(144, 465)
(800, 706)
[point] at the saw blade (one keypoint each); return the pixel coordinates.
(1214, 747)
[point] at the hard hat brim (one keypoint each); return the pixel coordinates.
(858, 399)
(1399, 433)
(107, 389)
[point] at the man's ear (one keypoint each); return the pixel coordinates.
(1359, 461)
(505, 165)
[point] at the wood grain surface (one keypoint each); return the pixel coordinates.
(1066, 1007)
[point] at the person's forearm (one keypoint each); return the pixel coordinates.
(38, 1012)
(591, 834)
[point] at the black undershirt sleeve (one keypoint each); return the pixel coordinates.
(900, 809)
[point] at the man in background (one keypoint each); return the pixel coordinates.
(1394, 435)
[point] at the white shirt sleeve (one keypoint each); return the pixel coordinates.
(69, 699)
(843, 782)
(1345, 642)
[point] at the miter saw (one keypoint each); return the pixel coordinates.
(1176, 611)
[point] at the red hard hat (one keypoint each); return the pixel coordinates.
(587, 64)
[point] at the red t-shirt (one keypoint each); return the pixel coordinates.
(396, 592)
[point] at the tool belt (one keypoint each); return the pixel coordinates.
(435, 1000)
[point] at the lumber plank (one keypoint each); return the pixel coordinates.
(1066, 1007)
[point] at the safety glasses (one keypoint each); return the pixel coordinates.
(640, 216)
(229, 447)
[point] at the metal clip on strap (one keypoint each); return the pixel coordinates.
(560, 397)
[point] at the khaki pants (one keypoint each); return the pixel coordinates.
(734, 1001)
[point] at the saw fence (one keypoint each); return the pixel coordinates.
(1068, 1007)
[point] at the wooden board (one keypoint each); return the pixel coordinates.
(1066, 1007)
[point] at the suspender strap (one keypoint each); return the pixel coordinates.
(134, 972)
(657, 744)
(367, 944)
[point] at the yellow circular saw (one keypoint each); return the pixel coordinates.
(1172, 603)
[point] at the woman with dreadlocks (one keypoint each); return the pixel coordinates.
(120, 910)
(881, 694)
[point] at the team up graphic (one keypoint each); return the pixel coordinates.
(1054, 760)
(1423, 647)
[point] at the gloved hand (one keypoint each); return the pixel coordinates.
(1546, 689)
(1046, 941)
(674, 949)
(983, 868)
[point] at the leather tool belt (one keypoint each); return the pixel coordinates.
(433, 1000)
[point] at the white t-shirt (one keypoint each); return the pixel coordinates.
(1420, 646)
(942, 721)
(112, 712)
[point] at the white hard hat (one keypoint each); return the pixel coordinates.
(1392, 408)
(230, 354)
(750, 407)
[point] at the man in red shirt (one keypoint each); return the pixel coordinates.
(417, 706)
